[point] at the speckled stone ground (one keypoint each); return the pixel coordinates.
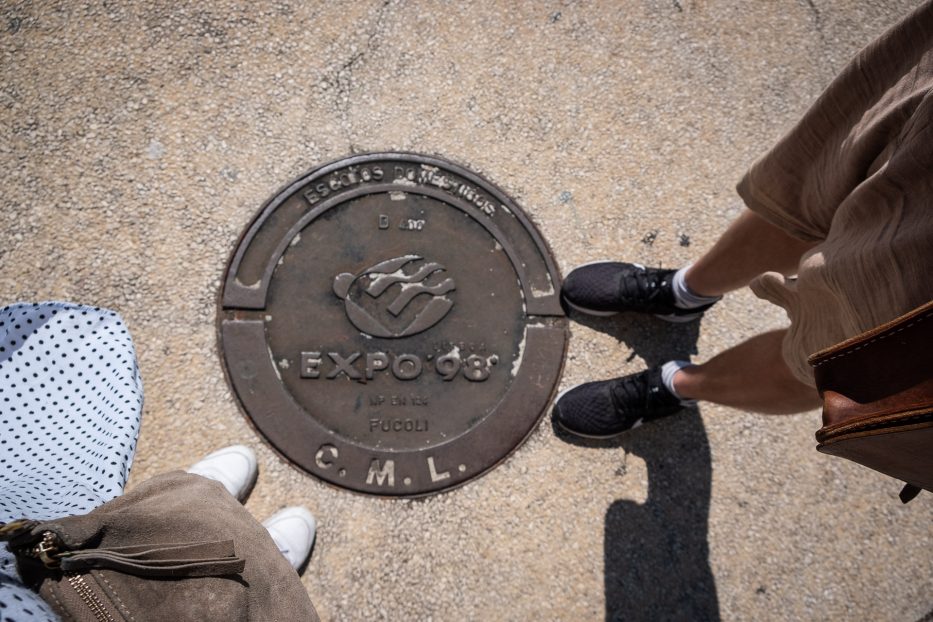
(137, 141)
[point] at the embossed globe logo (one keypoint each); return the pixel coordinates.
(397, 297)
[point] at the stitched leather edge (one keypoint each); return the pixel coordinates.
(867, 338)
(904, 422)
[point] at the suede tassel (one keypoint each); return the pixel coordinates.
(193, 559)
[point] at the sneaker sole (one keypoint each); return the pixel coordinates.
(589, 311)
(672, 317)
(598, 437)
(595, 437)
(249, 486)
(679, 319)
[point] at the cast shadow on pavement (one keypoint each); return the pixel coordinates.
(656, 554)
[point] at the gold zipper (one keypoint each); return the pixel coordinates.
(47, 550)
(90, 599)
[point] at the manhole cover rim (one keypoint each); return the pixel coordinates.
(553, 323)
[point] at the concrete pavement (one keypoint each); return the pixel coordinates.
(137, 141)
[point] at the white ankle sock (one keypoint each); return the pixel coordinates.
(667, 377)
(686, 298)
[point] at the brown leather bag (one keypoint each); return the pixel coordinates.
(176, 547)
(877, 391)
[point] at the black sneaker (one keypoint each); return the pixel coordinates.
(608, 287)
(610, 407)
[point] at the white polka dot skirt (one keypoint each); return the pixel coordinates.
(70, 406)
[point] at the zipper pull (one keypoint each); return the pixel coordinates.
(19, 533)
(48, 550)
(186, 559)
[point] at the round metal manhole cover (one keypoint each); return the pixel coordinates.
(391, 323)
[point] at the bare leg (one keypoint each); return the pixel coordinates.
(751, 376)
(749, 247)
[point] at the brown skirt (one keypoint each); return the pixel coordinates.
(856, 175)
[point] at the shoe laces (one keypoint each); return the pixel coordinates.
(642, 284)
(637, 391)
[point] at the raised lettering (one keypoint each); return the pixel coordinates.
(382, 474)
(311, 197)
(448, 365)
(320, 458)
(398, 425)
(375, 361)
(435, 476)
(344, 365)
(476, 368)
(406, 372)
(310, 361)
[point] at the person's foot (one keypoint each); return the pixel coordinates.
(608, 287)
(234, 467)
(609, 407)
(293, 531)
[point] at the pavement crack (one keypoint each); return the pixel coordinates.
(816, 12)
(817, 20)
(341, 79)
(818, 25)
(817, 16)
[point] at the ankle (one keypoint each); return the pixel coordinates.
(675, 376)
(685, 295)
(681, 385)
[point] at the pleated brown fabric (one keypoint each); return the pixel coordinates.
(856, 175)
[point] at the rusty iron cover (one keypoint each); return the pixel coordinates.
(391, 324)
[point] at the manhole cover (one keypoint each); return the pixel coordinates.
(391, 323)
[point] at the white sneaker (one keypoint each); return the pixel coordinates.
(234, 467)
(293, 531)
